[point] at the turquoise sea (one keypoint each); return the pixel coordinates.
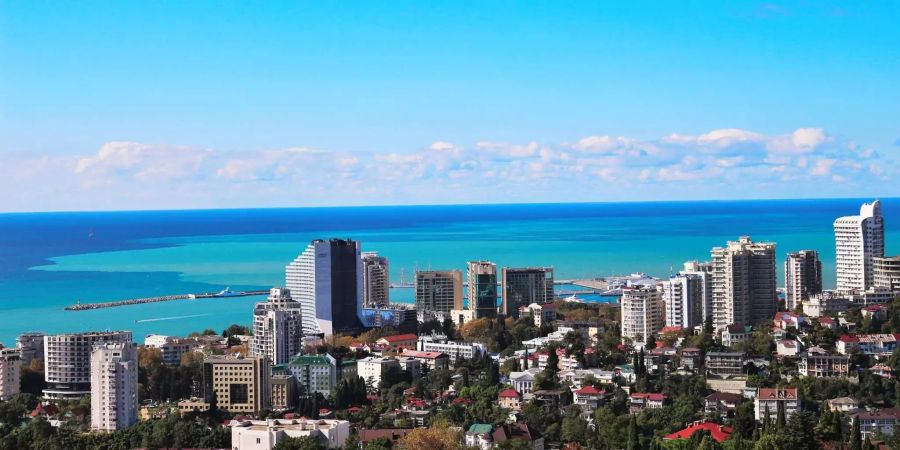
(50, 260)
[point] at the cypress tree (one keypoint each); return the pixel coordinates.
(634, 441)
(780, 420)
(855, 437)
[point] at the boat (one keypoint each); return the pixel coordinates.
(573, 298)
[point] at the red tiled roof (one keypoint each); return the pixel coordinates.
(670, 329)
(588, 390)
(718, 432)
(508, 393)
(774, 393)
(401, 337)
(649, 396)
(848, 338)
(425, 355)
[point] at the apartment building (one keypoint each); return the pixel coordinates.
(10, 370)
(521, 286)
(771, 399)
(266, 434)
(743, 282)
(237, 384)
(114, 386)
(172, 348)
(643, 313)
(858, 240)
(67, 361)
(802, 277)
(277, 327)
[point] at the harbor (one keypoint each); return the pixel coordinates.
(79, 306)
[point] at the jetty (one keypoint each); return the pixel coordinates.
(78, 306)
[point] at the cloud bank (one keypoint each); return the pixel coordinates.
(725, 163)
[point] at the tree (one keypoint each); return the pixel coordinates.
(301, 443)
(855, 442)
(766, 442)
(744, 421)
(634, 440)
(780, 421)
(574, 428)
(439, 437)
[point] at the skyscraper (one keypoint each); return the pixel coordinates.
(802, 277)
(326, 279)
(10, 372)
(743, 282)
(683, 298)
(857, 240)
(277, 327)
(702, 270)
(376, 280)
(67, 361)
(438, 291)
(482, 288)
(114, 386)
(524, 286)
(642, 313)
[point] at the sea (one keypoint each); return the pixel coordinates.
(52, 260)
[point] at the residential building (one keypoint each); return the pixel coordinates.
(816, 362)
(479, 435)
(509, 399)
(31, 346)
(802, 277)
(869, 344)
(456, 350)
(67, 361)
(886, 272)
(371, 369)
(376, 280)
(524, 286)
(482, 288)
(725, 364)
(266, 434)
(858, 240)
(772, 399)
(327, 280)
(238, 385)
(277, 327)
(114, 386)
(877, 422)
(402, 317)
(410, 365)
(314, 373)
(347, 369)
(589, 398)
(874, 295)
(734, 334)
(10, 372)
(691, 358)
(743, 282)
(551, 399)
(642, 312)
(394, 435)
(843, 404)
(646, 400)
(702, 270)
(172, 348)
(787, 347)
(398, 342)
(825, 302)
(461, 316)
(438, 291)
(284, 391)
(540, 313)
(722, 403)
(683, 295)
(432, 360)
(523, 381)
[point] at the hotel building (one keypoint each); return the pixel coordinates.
(524, 286)
(67, 361)
(438, 292)
(858, 241)
(114, 386)
(238, 385)
(376, 280)
(743, 282)
(277, 327)
(482, 288)
(643, 313)
(802, 277)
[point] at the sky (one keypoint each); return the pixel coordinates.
(211, 104)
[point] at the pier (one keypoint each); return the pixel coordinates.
(164, 298)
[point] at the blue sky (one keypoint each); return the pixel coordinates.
(129, 105)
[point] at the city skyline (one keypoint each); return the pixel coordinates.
(277, 105)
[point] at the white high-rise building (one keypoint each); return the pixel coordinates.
(703, 270)
(683, 297)
(277, 327)
(802, 277)
(67, 361)
(326, 279)
(857, 240)
(114, 386)
(376, 280)
(643, 313)
(10, 367)
(743, 282)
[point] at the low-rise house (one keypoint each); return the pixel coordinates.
(486, 437)
(659, 358)
(284, 391)
(882, 370)
(827, 323)
(480, 435)
(869, 344)
(542, 313)
(784, 320)
(734, 334)
(719, 433)
(266, 434)
(576, 377)
(433, 360)
(172, 348)
(722, 403)
(874, 312)
(725, 364)
(691, 358)
(843, 404)
(552, 398)
(371, 369)
(396, 342)
(644, 400)
(589, 398)
(524, 381)
(509, 399)
(787, 347)
(875, 422)
(816, 362)
(771, 399)
(391, 434)
(825, 302)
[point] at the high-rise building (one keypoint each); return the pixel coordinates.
(114, 386)
(802, 277)
(67, 361)
(683, 298)
(277, 327)
(743, 282)
(524, 286)
(238, 385)
(482, 288)
(702, 270)
(642, 313)
(438, 291)
(31, 344)
(886, 272)
(10, 369)
(858, 240)
(327, 280)
(376, 280)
